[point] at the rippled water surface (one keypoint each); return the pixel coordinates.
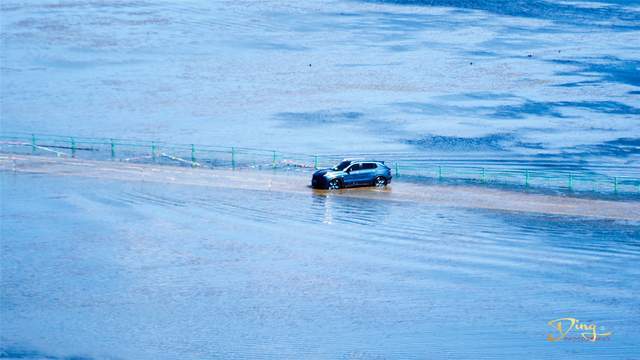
(105, 269)
(544, 79)
(95, 268)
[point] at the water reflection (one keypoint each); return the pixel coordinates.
(338, 208)
(240, 273)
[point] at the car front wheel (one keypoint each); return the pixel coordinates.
(334, 184)
(380, 181)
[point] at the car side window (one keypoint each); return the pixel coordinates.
(369, 166)
(355, 167)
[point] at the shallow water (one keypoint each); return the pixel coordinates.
(621, 206)
(112, 269)
(536, 80)
(97, 268)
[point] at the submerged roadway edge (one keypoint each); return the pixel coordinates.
(471, 197)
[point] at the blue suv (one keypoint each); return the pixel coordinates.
(352, 173)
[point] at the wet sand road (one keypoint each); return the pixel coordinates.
(298, 182)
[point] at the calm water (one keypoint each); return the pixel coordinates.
(103, 269)
(551, 80)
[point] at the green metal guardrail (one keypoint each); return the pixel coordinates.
(197, 155)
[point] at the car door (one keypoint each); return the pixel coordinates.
(368, 173)
(352, 174)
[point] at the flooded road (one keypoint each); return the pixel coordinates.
(297, 181)
(108, 260)
(151, 270)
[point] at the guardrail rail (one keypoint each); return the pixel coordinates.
(198, 155)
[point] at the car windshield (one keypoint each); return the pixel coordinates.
(341, 166)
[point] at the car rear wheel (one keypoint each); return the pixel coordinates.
(380, 181)
(334, 184)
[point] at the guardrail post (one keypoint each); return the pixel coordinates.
(526, 178)
(233, 157)
(615, 185)
(73, 147)
(439, 173)
(484, 175)
(315, 162)
(113, 149)
(193, 155)
(273, 162)
(153, 151)
(570, 182)
(397, 170)
(33, 143)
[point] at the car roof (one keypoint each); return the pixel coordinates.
(364, 161)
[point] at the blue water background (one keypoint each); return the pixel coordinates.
(105, 269)
(109, 269)
(527, 80)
